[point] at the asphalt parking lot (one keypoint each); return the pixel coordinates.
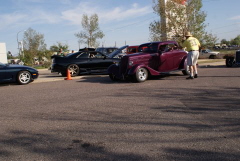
(92, 118)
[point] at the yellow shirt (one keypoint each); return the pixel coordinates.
(191, 44)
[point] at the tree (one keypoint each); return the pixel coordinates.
(55, 48)
(176, 19)
(91, 31)
(224, 41)
(236, 40)
(33, 45)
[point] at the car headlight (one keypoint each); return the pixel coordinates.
(130, 63)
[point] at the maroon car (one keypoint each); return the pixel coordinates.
(153, 58)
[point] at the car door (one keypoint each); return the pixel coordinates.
(81, 60)
(99, 61)
(170, 58)
(204, 53)
(166, 58)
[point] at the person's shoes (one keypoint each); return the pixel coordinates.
(195, 76)
(190, 77)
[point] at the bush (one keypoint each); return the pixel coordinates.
(46, 64)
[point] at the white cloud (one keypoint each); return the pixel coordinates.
(105, 15)
(235, 18)
(11, 19)
(43, 17)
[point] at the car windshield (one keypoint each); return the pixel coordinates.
(116, 52)
(149, 48)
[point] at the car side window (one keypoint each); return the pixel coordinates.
(83, 55)
(168, 47)
(99, 55)
(162, 48)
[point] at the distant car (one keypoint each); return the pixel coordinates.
(206, 53)
(106, 50)
(17, 73)
(132, 49)
(85, 62)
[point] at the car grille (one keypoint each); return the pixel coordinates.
(124, 65)
(238, 56)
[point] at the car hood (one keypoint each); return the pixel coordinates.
(20, 66)
(116, 52)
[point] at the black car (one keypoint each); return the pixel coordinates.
(85, 62)
(17, 73)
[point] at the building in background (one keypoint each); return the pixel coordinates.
(3, 53)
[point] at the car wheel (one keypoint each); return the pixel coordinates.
(141, 75)
(229, 62)
(113, 77)
(186, 70)
(64, 74)
(24, 77)
(212, 57)
(74, 70)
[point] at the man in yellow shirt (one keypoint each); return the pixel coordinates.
(192, 45)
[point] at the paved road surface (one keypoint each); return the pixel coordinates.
(92, 118)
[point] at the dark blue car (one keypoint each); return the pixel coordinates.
(17, 73)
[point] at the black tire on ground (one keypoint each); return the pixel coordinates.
(24, 77)
(229, 61)
(141, 75)
(64, 74)
(186, 71)
(112, 77)
(212, 57)
(74, 70)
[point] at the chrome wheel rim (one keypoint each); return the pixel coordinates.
(24, 77)
(73, 69)
(142, 74)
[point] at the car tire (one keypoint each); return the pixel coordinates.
(212, 57)
(64, 74)
(141, 75)
(74, 70)
(229, 62)
(186, 70)
(24, 77)
(113, 77)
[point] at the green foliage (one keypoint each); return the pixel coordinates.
(33, 47)
(91, 31)
(177, 19)
(224, 41)
(236, 40)
(56, 48)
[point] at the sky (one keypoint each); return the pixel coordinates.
(122, 21)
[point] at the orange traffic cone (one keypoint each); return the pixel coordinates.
(68, 75)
